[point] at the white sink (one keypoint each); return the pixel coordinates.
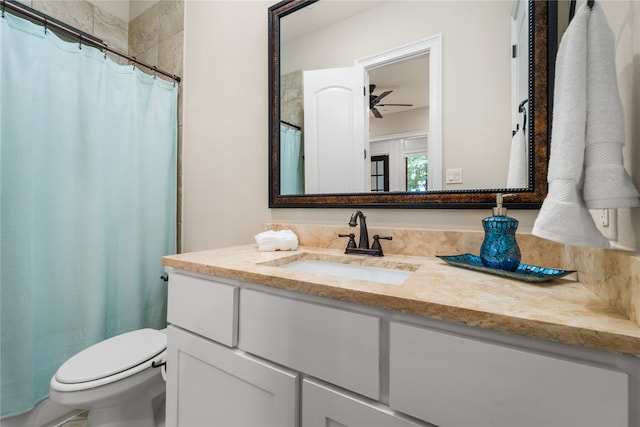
(350, 271)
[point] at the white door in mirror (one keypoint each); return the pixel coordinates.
(334, 138)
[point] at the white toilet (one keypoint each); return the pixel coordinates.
(117, 380)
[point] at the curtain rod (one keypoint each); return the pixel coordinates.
(291, 125)
(49, 22)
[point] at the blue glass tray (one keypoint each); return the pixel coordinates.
(524, 272)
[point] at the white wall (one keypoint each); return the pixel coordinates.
(225, 173)
(226, 126)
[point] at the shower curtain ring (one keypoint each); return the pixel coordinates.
(155, 71)
(133, 63)
(3, 2)
(80, 41)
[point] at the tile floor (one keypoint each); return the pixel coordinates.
(79, 420)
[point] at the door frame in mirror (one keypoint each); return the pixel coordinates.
(433, 47)
(542, 50)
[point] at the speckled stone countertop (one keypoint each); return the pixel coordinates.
(562, 310)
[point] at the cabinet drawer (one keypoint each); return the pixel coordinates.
(449, 379)
(335, 345)
(205, 307)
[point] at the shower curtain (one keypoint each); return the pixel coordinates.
(290, 161)
(88, 203)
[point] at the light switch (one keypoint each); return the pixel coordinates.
(454, 176)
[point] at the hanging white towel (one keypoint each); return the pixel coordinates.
(606, 183)
(564, 217)
(517, 177)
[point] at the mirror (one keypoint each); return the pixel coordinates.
(539, 64)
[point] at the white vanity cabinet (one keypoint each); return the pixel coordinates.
(209, 382)
(245, 354)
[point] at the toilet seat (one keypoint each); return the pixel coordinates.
(112, 360)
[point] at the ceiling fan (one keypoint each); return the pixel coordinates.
(374, 101)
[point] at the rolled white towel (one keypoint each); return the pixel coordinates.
(283, 240)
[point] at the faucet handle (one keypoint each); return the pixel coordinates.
(376, 244)
(352, 239)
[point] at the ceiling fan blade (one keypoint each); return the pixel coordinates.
(376, 113)
(395, 105)
(383, 94)
(375, 99)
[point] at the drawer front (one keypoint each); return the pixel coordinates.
(335, 345)
(205, 307)
(449, 379)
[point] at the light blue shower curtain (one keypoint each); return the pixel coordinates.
(88, 203)
(290, 161)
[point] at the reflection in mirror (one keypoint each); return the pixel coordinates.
(384, 120)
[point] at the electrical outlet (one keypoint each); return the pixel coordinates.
(607, 222)
(604, 218)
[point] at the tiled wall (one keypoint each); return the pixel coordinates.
(291, 102)
(88, 18)
(155, 38)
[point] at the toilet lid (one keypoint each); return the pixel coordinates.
(112, 356)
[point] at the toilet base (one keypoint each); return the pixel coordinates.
(133, 415)
(141, 405)
(138, 412)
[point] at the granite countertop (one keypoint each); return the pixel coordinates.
(562, 310)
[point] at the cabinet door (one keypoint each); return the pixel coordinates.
(212, 385)
(453, 380)
(325, 406)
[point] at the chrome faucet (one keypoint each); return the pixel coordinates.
(363, 246)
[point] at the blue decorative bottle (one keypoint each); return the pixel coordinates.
(499, 248)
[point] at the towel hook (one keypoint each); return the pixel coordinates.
(523, 110)
(572, 7)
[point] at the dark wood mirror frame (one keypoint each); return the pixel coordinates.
(542, 50)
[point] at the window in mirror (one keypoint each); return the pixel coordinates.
(380, 173)
(416, 172)
(399, 148)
